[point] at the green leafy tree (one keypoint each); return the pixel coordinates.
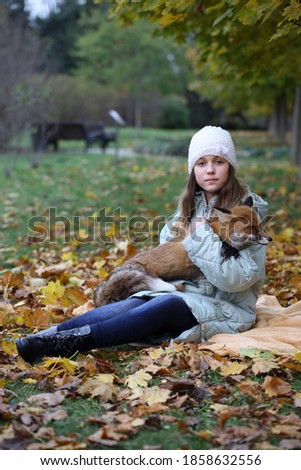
(254, 43)
(59, 31)
(131, 59)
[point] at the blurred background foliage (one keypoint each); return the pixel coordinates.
(161, 64)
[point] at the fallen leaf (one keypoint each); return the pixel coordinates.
(48, 399)
(276, 387)
(86, 307)
(56, 365)
(53, 292)
(9, 347)
(251, 389)
(234, 368)
(139, 379)
(264, 361)
(106, 436)
(55, 269)
(58, 414)
(156, 353)
(100, 386)
(154, 395)
(297, 400)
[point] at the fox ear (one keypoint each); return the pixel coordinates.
(248, 202)
(223, 214)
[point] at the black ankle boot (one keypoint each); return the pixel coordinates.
(63, 343)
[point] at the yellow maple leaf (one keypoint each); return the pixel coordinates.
(155, 353)
(99, 264)
(57, 364)
(69, 255)
(52, 292)
(105, 378)
(262, 366)
(9, 347)
(103, 391)
(154, 395)
(138, 379)
(233, 369)
(174, 348)
(103, 273)
(19, 320)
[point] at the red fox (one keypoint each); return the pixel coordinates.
(152, 269)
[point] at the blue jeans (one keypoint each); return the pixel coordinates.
(134, 319)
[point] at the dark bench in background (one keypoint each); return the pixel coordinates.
(51, 133)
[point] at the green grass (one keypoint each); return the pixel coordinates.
(182, 433)
(79, 185)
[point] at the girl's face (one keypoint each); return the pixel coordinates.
(211, 174)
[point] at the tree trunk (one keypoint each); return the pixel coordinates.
(296, 130)
(278, 122)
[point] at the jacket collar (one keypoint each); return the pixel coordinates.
(201, 198)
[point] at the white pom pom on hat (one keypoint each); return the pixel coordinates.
(211, 140)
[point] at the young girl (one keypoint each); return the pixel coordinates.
(222, 301)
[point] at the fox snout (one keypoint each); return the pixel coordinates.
(263, 239)
(239, 239)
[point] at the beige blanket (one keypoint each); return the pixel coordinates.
(277, 329)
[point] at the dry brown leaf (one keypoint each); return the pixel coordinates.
(262, 366)
(251, 389)
(276, 387)
(100, 386)
(37, 318)
(297, 400)
(48, 399)
(291, 430)
(86, 307)
(58, 414)
(107, 436)
(55, 269)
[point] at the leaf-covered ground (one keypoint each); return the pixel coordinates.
(170, 396)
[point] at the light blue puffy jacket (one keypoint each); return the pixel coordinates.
(223, 300)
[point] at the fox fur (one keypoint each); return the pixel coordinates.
(153, 269)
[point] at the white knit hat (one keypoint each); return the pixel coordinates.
(211, 140)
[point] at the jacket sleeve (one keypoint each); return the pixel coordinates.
(166, 235)
(231, 275)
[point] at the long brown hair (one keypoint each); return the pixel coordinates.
(229, 196)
